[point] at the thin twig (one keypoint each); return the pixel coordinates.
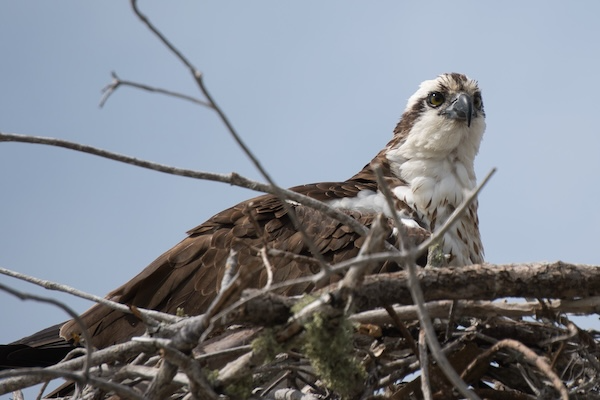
(473, 308)
(277, 191)
(372, 244)
(391, 313)
(161, 37)
(49, 285)
(460, 210)
(198, 383)
(415, 287)
(528, 354)
(109, 89)
(232, 178)
(46, 373)
(12, 380)
(86, 336)
(230, 270)
(268, 267)
(424, 361)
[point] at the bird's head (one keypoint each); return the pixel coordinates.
(445, 117)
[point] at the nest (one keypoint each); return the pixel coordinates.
(351, 343)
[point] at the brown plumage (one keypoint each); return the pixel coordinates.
(188, 275)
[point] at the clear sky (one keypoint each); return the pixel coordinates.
(315, 88)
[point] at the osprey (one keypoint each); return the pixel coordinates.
(428, 166)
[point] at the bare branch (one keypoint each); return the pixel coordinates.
(42, 374)
(232, 178)
(460, 210)
(268, 267)
(199, 386)
(394, 318)
(373, 243)
(477, 309)
(528, 354)
(416, 291)
(65, 308)
(109, 89)
(277, 191)
(119, 352)
(49, 285)
(424, 361)
(162, 38)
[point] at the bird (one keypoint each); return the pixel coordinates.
(428, 165)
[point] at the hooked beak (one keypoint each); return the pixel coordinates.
(461, 108)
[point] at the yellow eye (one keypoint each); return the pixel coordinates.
(477, 102)
(435, 99)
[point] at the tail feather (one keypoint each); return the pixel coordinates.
(41, 349)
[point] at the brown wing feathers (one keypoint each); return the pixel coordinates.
(188, 275)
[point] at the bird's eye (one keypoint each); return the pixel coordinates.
(435, 99)
(477, 102)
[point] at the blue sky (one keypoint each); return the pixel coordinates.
(315, 89)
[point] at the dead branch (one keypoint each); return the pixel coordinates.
(414, 286)
(480, 309)
(232, 178)
(120, 352)
(49, 285)
(558, 280)
(65, 308)
(528, 354)
(117, 82)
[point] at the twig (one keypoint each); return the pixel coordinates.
(130, 371)
(218, 353)
(528, 354)
(42, 390)
(161, 37)
(424, 361)
(473, 308)
(293, 394)
(391, 313)
(49, 285)
(46, 373)
(232, 178)
(230, 270)
(157, 389)
(434, 345)
(439, 233)
(109, 89)
(122, 352)
(198, 383)
(572, 331)
(236, 368)
(373, 244)
(68, 310)
(276, 383)
(174, 359)
(389, 198)
(451, 320)
(199, 78)
(268, 267)
(415, 287)
(186, 339)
